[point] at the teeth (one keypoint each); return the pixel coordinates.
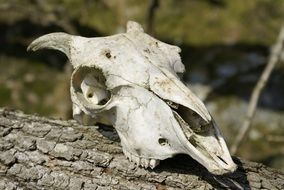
(154, 163)
(130, 157)
(144, 162)
(147, 163)
(137, 160)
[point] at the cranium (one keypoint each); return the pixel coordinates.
(130, 81)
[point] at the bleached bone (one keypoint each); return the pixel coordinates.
(130, 81)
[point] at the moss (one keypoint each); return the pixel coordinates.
(199, 23)
(5, 95)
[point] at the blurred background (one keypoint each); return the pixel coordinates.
(225, 47)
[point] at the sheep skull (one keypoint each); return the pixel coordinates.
(130, 81)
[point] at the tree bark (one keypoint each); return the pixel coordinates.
(41, 153)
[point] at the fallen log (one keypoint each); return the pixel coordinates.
(42, 153)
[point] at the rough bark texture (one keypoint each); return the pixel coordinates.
(41, 153)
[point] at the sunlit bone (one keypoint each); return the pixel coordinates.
(130, 81)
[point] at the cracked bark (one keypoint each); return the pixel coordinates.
(41, 153)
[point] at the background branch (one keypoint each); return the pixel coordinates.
(274, 57)
(151, 13)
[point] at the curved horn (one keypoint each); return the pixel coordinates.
(57, 41)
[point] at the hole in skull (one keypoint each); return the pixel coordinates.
(108, 55)
(103, 101)
(222, 160)
(193, 120)
(163, 141)
(90, 95)
(198, 146)
(89, 86)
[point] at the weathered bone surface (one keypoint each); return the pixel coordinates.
(130, 81)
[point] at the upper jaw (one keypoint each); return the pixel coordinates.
(202, 141)
(196, 129)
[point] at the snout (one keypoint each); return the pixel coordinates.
(204, 143)
(196, 129)
(217, 165)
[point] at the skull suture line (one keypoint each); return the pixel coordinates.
(130, 81)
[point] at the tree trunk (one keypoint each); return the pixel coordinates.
(41, 153)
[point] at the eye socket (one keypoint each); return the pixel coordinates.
(163, 141)
(90, 88)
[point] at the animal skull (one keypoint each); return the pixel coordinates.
(130, 81)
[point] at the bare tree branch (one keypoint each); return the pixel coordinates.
(274, 57)
(153, 6)
(41, 153)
